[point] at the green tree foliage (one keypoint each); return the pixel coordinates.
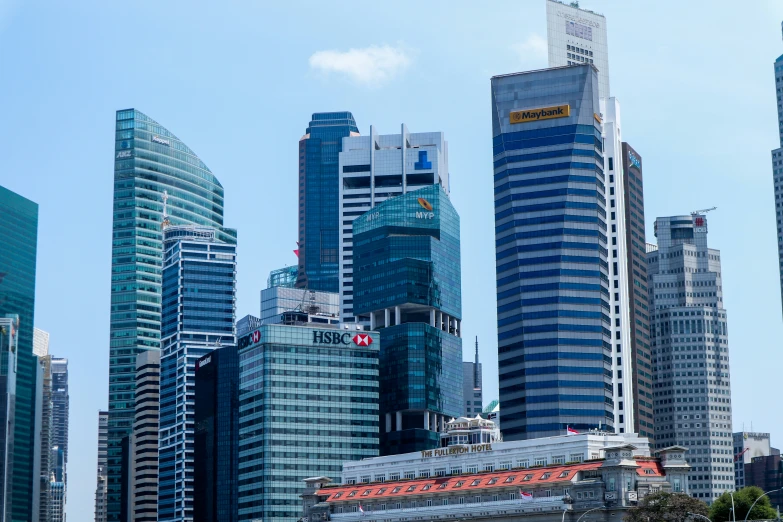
(720, 511)
(667, 507)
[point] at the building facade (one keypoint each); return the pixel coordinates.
(148, 161)
(101, 514)
(57, 485)
(322, 307)
(639, 311)
(247, 324)
(407, 281)
(375, 168)
(748, 445)
(9, 348)
(472, 394)
(199, 307)
(216, 437)
(577, 36)
(60, 406)
(46, 468)
(308, 400)
(40, 342)
(142, 504)
(777, 164)
(555, 351)
(19, 223)
(766, 472)
(319, 179)
(285, 277)
(692, 386)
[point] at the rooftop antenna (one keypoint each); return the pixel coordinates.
(165, 221)
(476, 369)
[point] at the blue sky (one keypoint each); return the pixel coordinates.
(237, 81)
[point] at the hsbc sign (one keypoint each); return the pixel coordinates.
(249, 339)
(340, 338)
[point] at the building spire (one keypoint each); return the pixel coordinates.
(476, 368)
(165, 221)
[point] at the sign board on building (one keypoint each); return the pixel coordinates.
(540, 113)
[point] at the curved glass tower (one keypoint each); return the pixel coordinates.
(148, 161)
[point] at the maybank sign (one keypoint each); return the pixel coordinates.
(542, 113)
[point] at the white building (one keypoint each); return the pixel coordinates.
(377, 167)
(40, 342)
(576, 36)
(746, 446)
(321, 307)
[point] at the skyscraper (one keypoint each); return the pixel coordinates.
(555, 352)
(692, 404)
(143, 495)
(199, 296)
(9, 348)
(777, 163)
(148, 160)
(377, 167)
(40, 342)
(407, 281)
(285, 277)
(577, 36)
(18, 246)
(60, 405)
(216, 437)
(318, 199)
(638, 323)
(100, 487)
(472, 393)
(747, 446)
(46, 466)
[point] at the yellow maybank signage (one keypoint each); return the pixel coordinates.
(542, 113)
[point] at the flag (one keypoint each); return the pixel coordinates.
(525, 496)
(571, 431)
(361, 509)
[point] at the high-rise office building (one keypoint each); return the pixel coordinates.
(9, 348)
(375, 168)
(578, 36)
(309, 402)
(46, 464)
(747, 446)
(472, 392)
(692, 388)
(322, 307)
(101, 514)
(40, 342)
(142, 503)
(57, 486)
(766, 472)
(555, 351)
(285, 277)
(60, 405)
(148, 161)
(777, 164)
(318, 199)
(407, 281)
(18, 246)
(246, 324)
(639, 311)
(199, 299)
(217, 436)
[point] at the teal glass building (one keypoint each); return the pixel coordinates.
(18, 250)
(308, 401)
(407, 278)
(148, 160)
(319, 199)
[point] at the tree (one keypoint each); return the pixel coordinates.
(743, 499)
(668, 507)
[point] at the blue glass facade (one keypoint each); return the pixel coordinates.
(18, 251)
(199, 288)
(319, 196)
(148, 159)
(308, 401)
(407, 277)
(554, 339)
(216, 437)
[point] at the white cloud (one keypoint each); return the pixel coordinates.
(532, 50)
(371, 65)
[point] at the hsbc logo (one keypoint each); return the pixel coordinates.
(249, 339)
(341, 338)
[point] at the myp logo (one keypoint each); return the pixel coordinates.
(634, 160)
(422, 164)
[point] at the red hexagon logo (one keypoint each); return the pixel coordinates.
(256, 336)
(362, 340)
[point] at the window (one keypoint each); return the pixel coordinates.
(548, 493)
(475, 482)
(564, 474)
(365, 480)
(410, 474)
(445, 502)
(504, 465)
(489, 467)
(443, 486)
(397, 489)
(677, 487)
(494, 498)
(394, 476)
(541, 461)
(560, 459)
(366, 492)
(426, 487)
(545, 476)
(429, 502)
(527, 477)
(590, 494)
(477, 499)
(381, 491)
(579, 496)
(611, 486)
(380, 478)
(459, 484)
(352, 493)
(523, 463)
(440, 472)
(472, 469)
(510, 479)
(456, 471)
(649, 471)
(424, 473)
(492, 480)
(461, 500)
(410, 488)
(337, 495)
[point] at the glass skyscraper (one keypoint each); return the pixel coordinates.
(199, 300)
(148, 160)
(554, 338)
(18, 247)
(319, 187)
(407, 278)
(308, 401)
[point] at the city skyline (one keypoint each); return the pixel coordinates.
(687, 155)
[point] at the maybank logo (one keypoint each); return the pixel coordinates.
(542, 113)
(426, 205)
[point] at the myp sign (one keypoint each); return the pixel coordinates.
(423, 163)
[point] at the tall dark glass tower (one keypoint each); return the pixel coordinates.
(554, 338)
(18, 247)
(148, 161)
(319, 199)
(407, 278)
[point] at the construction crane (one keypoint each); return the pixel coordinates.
(703, 211)
(739, 455)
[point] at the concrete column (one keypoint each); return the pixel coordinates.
(440, 320)
(398, 427)
(372, 320)
(388, 422)
(432, 317)
(426, 420)
(397, 315)
(433, 421)
(385, 317)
